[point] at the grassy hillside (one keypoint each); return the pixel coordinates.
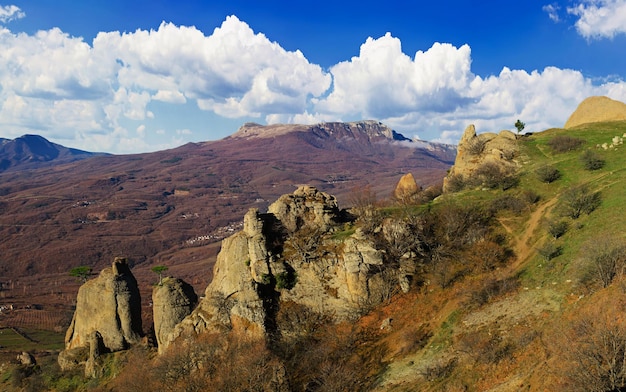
(556, 324)
(513, 290)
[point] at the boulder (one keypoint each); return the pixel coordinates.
(109, 304)
(306, 205)
(406, 188)
(172, 301)
(26, 359)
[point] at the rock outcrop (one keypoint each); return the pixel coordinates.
(93, 365)
(597, 109)
(172, 301)
(475, 151)
(109, 304)
(26, 359)
(407, 187)
(290, 255)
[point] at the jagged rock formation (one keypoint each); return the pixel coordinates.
(172, 301)
(475, 151)
(289, 255)
(406, 188)
(109, 304)
(597, 109)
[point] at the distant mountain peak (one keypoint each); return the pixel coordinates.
(31, 151)
(370, 128)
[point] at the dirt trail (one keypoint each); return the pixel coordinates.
(523, 247)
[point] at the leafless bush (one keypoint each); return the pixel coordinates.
(591, 160)
(488, 254)
(550, 250)
(597, 350)
(476, 146)
(493, 175)
(548, 174)
(510, 203)
(440, 370)
(578, 200)
(564, 143)
(557, 228)
(492, 288)
(607, 257)
(455, 183)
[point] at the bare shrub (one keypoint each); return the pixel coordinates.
(578, 200)
(548, 174)
(510, 203)
(530, 196)
(440, 370)
(493, 175)
(492, 288)
(607, 257)
(564, 143)
(476, 146)
(455, 183)
(557, 228)
(591, 160)
(597, 350)
(488, 255)
(550, 250)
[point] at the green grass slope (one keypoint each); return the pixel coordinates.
(561, 326)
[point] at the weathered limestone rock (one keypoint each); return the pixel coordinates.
(93, 366)
(109, 304)
(26, 359)
(306, 205)
(73, 358)
(406, 188)
(172, 301)
(475, 151)
(262, 267)
(597, 109)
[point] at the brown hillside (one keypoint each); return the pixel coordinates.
(173, 207)
(597, 109)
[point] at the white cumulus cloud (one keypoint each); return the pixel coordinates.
(383, 81)
(116, 93)
(553, 11)
(600, 18)
(10, 12)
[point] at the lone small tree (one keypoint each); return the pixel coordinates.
(81, 272)
(520, 126)
(160, 269)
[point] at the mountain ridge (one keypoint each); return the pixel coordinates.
(33, 151)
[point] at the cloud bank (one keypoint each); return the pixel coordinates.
(110, 94)
(600, 18)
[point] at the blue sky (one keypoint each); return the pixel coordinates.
(139, 76)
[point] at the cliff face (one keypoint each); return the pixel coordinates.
(291, 255)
